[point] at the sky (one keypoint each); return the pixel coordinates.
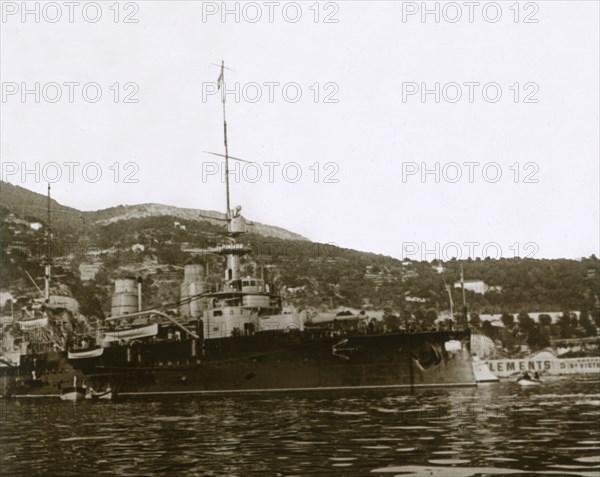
(372, 125)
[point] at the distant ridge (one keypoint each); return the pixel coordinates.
(28, 204)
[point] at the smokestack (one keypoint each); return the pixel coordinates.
(139, 283)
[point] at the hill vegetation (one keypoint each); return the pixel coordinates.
(308, 275)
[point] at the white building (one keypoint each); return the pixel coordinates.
(477, 286)
(439, 268)
(5, 296)
(415, 299)
(88, 271)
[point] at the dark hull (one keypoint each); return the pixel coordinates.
(264, 362)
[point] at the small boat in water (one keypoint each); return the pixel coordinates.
(107, 395)
(74, 393)
(85, 354)
(527, 380)
(128, 334)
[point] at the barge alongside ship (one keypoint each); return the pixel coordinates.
(240, 339)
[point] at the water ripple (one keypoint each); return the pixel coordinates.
(491, 430)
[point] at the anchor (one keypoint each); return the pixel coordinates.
(336, 348)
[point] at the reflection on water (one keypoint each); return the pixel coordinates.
(496, 429)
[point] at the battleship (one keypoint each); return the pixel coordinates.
(240, 337)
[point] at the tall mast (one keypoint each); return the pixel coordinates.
(449, 291)
(464, 299)
(236, 224)
(48, 260)
(221, 82)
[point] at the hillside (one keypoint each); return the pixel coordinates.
(29, 205)
(308, 275)
(24, 203)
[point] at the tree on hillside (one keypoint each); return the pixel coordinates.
(526, 323)
(545, 320)
(545, 326)
(507, 320)
(585, 322)
(508, 339)
(536, 340)
(489, 330)
(391, 322)
(596, 317)
(420, 315)
(564, 323)
(474, 320)
(430, 316)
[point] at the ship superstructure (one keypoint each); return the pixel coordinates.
(245, 304)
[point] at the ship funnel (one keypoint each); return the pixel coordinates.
(194, 279)
(125, 297)
(139, 289)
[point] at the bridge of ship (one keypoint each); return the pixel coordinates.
(242, 307)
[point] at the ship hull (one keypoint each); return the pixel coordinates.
(273, 362)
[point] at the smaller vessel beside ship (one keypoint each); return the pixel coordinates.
(73, 393)
(107, 395)
(526, 380)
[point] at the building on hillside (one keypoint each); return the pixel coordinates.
(296, 289)
(374, 276)
(438, 268)
(13, 219)
(61, 301)
(415, 299)
(477, 286)
(88, 271)
(5, 296)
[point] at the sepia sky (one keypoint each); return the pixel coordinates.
(510, 137)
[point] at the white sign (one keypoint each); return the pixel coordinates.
(508, 367)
